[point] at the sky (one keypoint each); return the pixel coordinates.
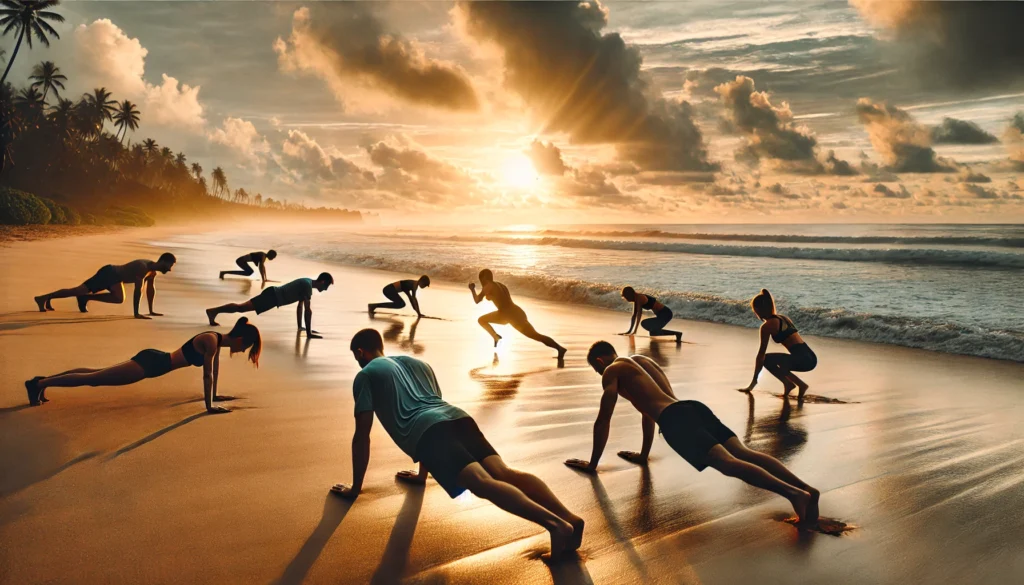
(565, 112)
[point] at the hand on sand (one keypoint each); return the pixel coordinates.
(633, 457)
(410, 477)
(141, 316)
(580, 464)
(217, 410)
(156, 314)
(344, 490)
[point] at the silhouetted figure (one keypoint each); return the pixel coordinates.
(111, 278)
(393, 290)
(508, 313)
(257, 259)
(781, 330)
(689, 427)
(403, 392)
(298, 291)
(654, 325)
(201, 350)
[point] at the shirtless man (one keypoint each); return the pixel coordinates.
(508, 313)
(257, 259)
(111, 278)
(298, 291)
(689, 427)
(395, 301)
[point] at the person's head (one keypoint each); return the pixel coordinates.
(271, 254)
(628, 293)
(245, 336)
(763, 305)
(164, 263)
(486, 276)
(424, 281)
(601, 355)
(323, 281)
(366, 345)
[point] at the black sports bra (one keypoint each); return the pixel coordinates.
(649, 305)
(786, 328)
(192, 355)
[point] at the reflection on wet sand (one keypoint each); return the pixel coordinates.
(499, 387)
(301, 347)
(654, 351)
(605, 503)
(393, 333)
(774, 434)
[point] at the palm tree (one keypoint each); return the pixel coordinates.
(126, 118)
(29, 103)
(258, 199)
(48, 76)
(166, 154)
(180, 160)
(28, 17)
(149, 145)
(99, 105)
(62, 118)
(197, 170)
(220, 181)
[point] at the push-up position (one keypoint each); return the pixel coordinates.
(508, 313)
(257, 259)
(404, 394)
(298, 291)
(201, 350)
(111, 279)
(689, 427)
(782, 331)
(654, 325)
(408, 287)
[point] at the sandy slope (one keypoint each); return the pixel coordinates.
(136, 485)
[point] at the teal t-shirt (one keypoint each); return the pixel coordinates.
(297, 290)
(403, 393)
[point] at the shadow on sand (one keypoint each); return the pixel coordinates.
(335, 509)
(13, 325)
(8, 490)
(396, 553)
(156, 435)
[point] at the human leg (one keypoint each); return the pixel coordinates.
(778, 364)
(243, 264)
(245, 307)
(719, 458)
(524, 326)
(121, 374)
(115, 295)
(655, 327)
(395, 300)
(496, 318)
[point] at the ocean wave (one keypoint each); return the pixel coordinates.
(913, 332)
(994, 242)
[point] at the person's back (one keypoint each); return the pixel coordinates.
(297, 290)
(641, 381)
(403, 392)
(499, 295)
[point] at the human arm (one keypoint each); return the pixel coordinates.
(150, 281)
(137, 298)
(601, 426)
(298, 314)
(412, 301)
(310, 334)
(263, 269)
(759, 360)
(360, 456)
(211, 372)
(477, 297)
(417, 477)
(645, 450)
(633, 318)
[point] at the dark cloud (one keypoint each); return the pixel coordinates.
(669, 178)
(964, 44)
(303, 159)
(953, 131)
(769, 131)
(1015, 141)
(346, 44)
(903, 143)
(587, 84)
(546, 158)
(968, 176)
(979, 192)
(884, 191)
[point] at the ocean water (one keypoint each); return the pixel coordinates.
(947, 288)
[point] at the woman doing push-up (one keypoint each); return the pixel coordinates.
(781, 330)
(202, 350)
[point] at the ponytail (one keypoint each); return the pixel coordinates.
(250, 337)
(763, 305)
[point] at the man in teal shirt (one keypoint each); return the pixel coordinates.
(404, 394)
(298, 291)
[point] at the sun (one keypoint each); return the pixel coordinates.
(518, 172)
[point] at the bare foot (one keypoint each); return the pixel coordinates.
(561, 537)
(801, 504)
(496, 340)
(49, 305)
(41, 303)
(577, 533)
(679, 338)
(210, 316)
(222, 276)
(369, 310)
(802, 390)
(82, 301)
(788, 387)
(561, 353)
(812, 507)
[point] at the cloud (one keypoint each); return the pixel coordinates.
(963, 44)
(546, 158)
(903, 143)
(107, 57)
(1015, 141)
(979, 192)
(886, 192)
(968, 176)
(953, 131)
(241, 137)
(769, 131)
(414, 175)
(589, 85)
(303, 159)
(346, 45)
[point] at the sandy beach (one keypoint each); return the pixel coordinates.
(921, 452)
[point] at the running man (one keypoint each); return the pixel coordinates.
(689, 427)
(111, 279)
(508, 313)
(298, 291)
(403, 392)
(258, 259)
(395, 300)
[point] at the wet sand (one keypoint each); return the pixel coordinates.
(138, 485)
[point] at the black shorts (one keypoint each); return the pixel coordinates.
(105, 278)
(692, 430)
(447, 447)
(154, 362)
(264, 301)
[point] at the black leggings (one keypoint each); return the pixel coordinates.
(391, 293)
(799, 359)
(243, 263)
(656, 325)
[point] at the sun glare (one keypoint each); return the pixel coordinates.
(518, 172)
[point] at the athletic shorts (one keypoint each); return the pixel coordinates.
(447, 447)
(105, 278)
(692, 430)
(154, 362)
(265, 301)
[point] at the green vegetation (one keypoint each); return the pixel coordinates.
(20, 208)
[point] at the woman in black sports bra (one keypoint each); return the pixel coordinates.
(395, 301)
(202, 350)
(781, 330)
(654, 325)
